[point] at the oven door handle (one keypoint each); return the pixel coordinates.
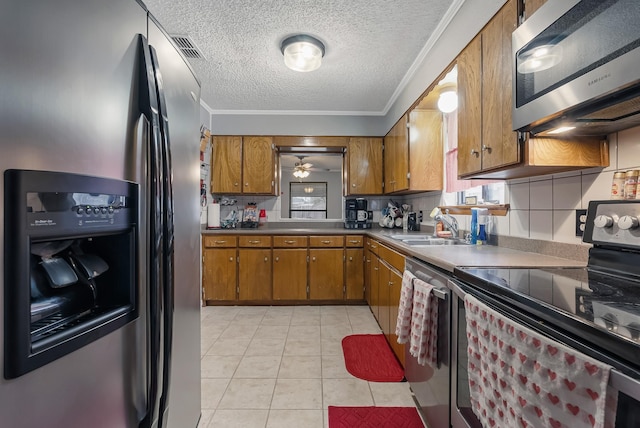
(439, 293)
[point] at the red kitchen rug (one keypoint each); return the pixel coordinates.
(374, 417)
(369, 357)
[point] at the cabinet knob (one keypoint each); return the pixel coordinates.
(326, 242)
(475, 152)
(353, 185)
(313, 259)
(266, 259)
(235, 184)
(254, 242)
(277, 259)
(350, 258)
(246, 184)
(230, 259)
(390, 283)
(486, 148)
(220, 242)
(289, 242)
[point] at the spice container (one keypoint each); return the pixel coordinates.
(630, 184)
(617, 186)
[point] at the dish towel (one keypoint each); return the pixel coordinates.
(403, 323)
(424, 324)
(520, 378)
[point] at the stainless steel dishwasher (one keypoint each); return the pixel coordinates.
(430, 384)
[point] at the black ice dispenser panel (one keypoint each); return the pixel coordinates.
(70, 257)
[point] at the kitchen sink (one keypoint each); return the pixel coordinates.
(412, 236)
(433, 241)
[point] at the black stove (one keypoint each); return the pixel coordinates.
(598, 305)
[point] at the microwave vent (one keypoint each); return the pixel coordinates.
(615, 112)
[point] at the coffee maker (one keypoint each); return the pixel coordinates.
(356, 215)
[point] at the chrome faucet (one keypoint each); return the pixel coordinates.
(450, 222)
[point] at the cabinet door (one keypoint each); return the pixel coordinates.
(254, 274)
(375, 286)
(226, 164)
(395, 286)
(290, 274)
(354, 266)
(469, 107)
(258, 170)
(383, 299)
(367, 277)
(365, 166)
(499, 143)
(425, 150)
(219, 274)
(326, 274)
(396, 157)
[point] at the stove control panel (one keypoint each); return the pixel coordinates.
(614, 223)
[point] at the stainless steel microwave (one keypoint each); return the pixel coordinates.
(576, 68)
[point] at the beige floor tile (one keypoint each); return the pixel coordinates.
(205, 418)
(346, 392)
(332, 347)
(219, 366)
(391, 394)
(300, 367)
(333, 367)
(266, 346)
(365, 327)
(272, 332)
(258, 367)
(212, 391)
(276, 319)
(297, 394)
(236, 330)
(304, 332)
(232, 346)
(302, 347)
(239, 419)
(295, 419)
(335, 331)
(248, 394)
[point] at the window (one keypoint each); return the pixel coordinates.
(308, 200)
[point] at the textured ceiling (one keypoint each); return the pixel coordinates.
(370, 47)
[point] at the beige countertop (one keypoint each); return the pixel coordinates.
(446, 257)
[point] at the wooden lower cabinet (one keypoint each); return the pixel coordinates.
(290, 274)
(354, 279)
(254, 274)
(395, 286)
(219, 274)
(326, 274)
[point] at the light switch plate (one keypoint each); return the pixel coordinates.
(581, 221)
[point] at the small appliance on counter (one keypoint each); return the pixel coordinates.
(356, 215)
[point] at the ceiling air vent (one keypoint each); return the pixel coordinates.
(188, 48)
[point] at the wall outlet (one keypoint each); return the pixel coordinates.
(581, 221)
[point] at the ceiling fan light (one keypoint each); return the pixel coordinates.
(302, 52)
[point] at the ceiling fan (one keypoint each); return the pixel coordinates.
(301, 170)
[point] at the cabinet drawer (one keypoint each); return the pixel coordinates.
(392, 258)
(259, 241)
(326, 241)
(374, 246)
(290, 241)
(354, 240)
(220, 241)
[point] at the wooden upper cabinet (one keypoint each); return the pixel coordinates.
(243, 165)
(487, 145)
(396, 158)
(226, 164)
(499, 142)
(364, 166)
(258, 165)
(425, 150)
(469, 105)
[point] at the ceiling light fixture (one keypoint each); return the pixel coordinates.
(308, 189)
(300, 173)
(301, 170)
(448, 98)
(302, 52)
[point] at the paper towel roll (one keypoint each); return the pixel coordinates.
(213, 216)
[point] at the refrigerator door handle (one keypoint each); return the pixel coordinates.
(168, 234)
(154, 192)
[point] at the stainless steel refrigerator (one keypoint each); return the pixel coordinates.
(99, 163)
